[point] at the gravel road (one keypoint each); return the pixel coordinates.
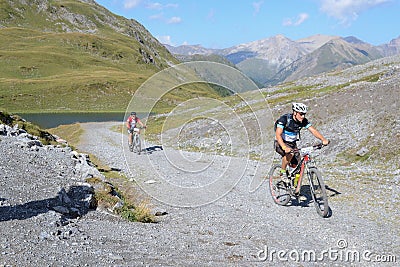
(240, 228)
(243, 227)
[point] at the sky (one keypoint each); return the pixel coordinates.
(226, 23)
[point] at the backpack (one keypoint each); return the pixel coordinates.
(288, 118)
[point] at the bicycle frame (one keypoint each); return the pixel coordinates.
(134, 140)
(135, 133)
(302, 166)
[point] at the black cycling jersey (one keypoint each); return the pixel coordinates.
(291, 128)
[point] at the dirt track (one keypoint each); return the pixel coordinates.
(236, 228)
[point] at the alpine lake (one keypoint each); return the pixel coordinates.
(52, 120)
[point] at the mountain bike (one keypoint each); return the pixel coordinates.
(285, 187)
(136, 143)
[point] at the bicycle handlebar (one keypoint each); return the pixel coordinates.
(138, 127)
(309, 149)
(318, 146)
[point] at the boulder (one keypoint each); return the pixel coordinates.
(362, 152)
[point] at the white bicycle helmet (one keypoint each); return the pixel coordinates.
(299, 107)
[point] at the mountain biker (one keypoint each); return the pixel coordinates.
(287, 133)
(131, 125)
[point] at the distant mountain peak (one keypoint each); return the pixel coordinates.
(353, 40)
(190, 50)
(314, 42)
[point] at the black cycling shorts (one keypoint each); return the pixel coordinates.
(296, 159)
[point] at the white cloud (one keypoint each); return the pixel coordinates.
(174, 20)
(171, 5)
(160, 16)
(301, 18)
(159, 6)
(166, 39)
(348, 10)
(128, 4)
(257, 6)
(156, 6)
(298, 21)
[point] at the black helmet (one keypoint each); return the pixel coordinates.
(133, 113)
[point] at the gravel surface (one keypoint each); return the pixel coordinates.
(218, 208)
(235, 229)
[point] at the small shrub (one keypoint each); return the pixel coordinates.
(93, 180)
(138, 213)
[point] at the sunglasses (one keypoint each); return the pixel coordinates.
(302, 114)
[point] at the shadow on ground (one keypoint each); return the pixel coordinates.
(74, 203)
(152, 149)
(306, 192)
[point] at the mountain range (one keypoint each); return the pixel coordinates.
(279, 59)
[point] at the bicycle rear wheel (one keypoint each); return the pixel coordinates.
(279, 189)
(318, 192)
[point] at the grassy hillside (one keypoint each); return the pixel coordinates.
(258, 70)
(67, 71)
(60, 56)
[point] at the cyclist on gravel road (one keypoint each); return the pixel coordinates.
(287, 133)
(131, 125)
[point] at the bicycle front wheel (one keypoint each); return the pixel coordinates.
(278, 188)
(130, 145)
(138, 145)
(318, 192)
